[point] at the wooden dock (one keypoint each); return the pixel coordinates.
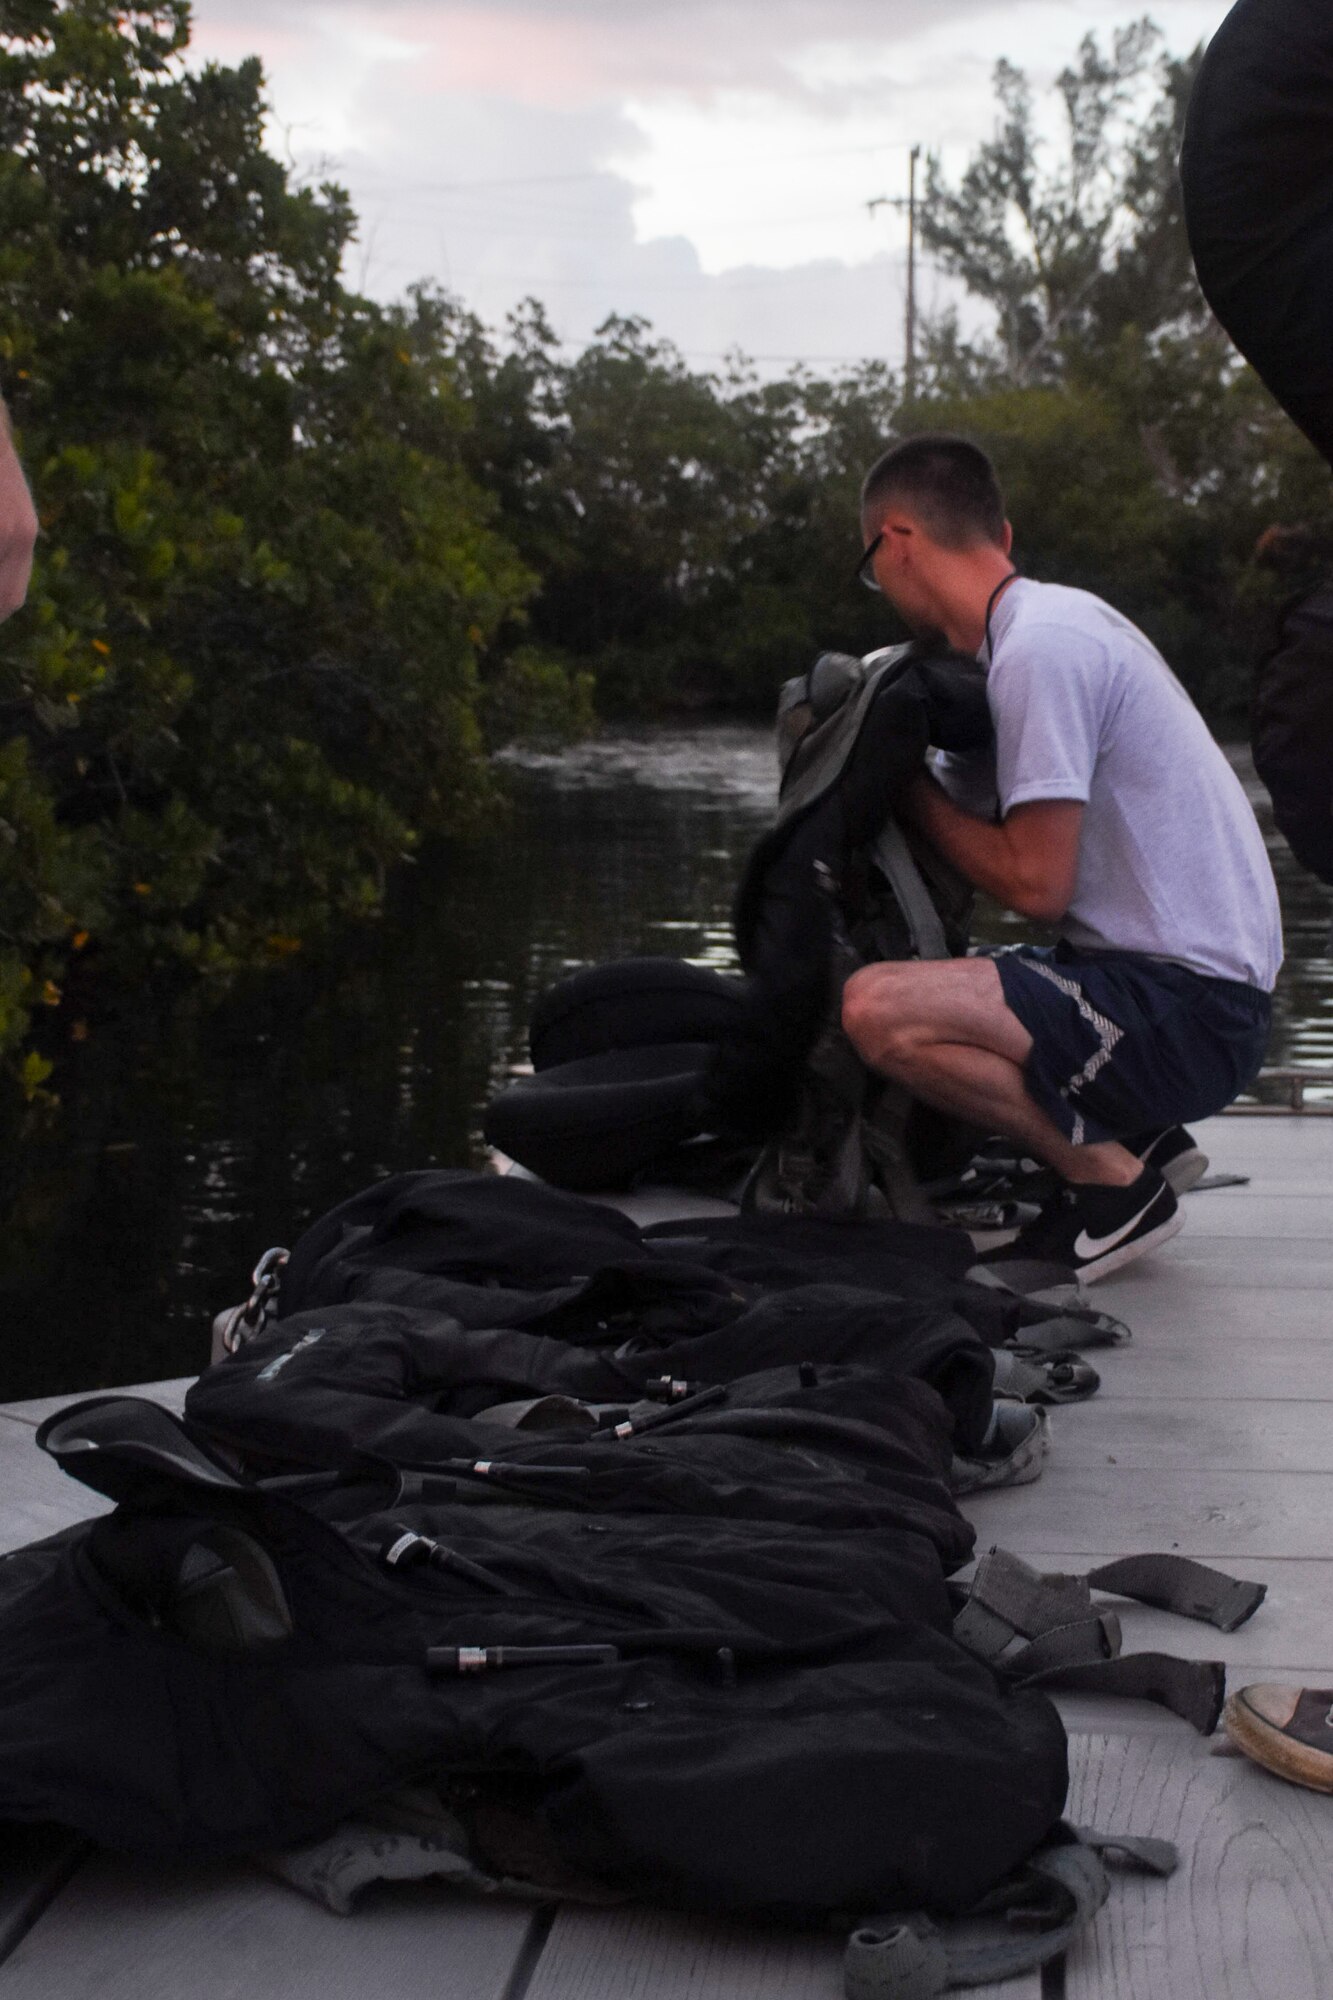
(1212, 1435)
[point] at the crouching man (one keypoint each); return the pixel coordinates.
(1109, 811)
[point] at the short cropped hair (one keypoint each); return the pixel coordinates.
(948, 482)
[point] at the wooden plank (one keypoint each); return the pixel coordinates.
(1218, 1515)
(646, 1206)
(39, 1498)
(123, 1931)
(1274, 1178)
(1169, 1434)
(1230, 1142)
(1173, 1276)
(1295, 1621)
(636, 1954)
(1113, 1715)
(1237, 1138)
(35, 1864)
(1248, 1916)
(1248, 1212)
(1277, 1170)
(170, 1394)
(1208, 1365)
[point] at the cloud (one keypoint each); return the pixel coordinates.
(566, 52)
(706, 163)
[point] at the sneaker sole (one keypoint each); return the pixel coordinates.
(1276, 1751)
(1185, 1171)
(1115, 1260)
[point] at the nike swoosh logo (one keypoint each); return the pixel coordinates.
(1097, 1246)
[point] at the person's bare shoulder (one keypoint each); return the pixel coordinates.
(18, 524)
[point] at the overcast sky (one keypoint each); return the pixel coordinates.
(705, 163)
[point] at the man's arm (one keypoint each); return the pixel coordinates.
(1029, 862)
(18, 524)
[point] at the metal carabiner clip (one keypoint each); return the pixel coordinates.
(244, 1322)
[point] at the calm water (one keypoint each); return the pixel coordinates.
(191, 1142)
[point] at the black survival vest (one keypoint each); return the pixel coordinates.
(602, 1561)
(836, 883)
(851, 735)
(1291, 727)
(633, 1059)
(706, 1707)
(1256, 171)
(1257, 176)
(730, 1558)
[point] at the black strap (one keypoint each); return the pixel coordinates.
(1066, 1330)
(1010, 1454)
(1031, 1919)
(1073, 1646)
(1139, 1851)
(1191, 1589)
(1192, 1689)
(991, 603)
(1010, 1592)
(1086, 1643)
(1058, 1376)
(1007, 1598)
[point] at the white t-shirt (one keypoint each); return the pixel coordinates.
(1171, 861)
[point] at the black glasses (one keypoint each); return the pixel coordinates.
(864, 572)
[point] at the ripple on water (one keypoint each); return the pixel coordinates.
(217, 1135)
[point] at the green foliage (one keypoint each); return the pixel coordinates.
(1072, 253)
(1140, 458)
(693, 533)
(306, 559)
(270, 595)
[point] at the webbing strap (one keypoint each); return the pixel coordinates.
(924, 924)
(1006, 1591)
(1057, 1376)
(1192, 1689)
(1008, 1596)
(1011, 1452)
(1138, 1850)
(1086, 1643)
(1175, 1583)
(1065, 1330)
(903, 1960)
(1030, 1278)
(1074, 1647)
(1053, 1898)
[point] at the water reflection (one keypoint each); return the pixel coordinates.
(192, 1141)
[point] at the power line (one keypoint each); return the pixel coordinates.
(514, 181)
(536, 220)
(779, 281)
(624, 174)
(909, 204)
(740, 354)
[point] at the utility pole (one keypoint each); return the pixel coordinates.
(907, 202)
(909, 331)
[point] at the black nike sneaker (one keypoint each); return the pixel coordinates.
(1175, 1153)
(1096, 1230)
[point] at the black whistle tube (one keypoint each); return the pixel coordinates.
(475, 1659)
(408, 1550)
(504, 1468)
(301, 1482)
(654, 1421)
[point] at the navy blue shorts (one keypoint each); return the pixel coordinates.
(1123, 1044)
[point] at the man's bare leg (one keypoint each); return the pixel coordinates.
(942, 1029)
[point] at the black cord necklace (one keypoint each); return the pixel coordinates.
(991, 603)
